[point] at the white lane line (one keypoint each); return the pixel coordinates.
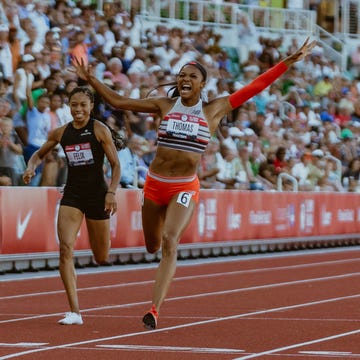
(184, 278)
(273, 351)
(194, 296)
(332, 353)
(198, 323)
(22, 344)
(173, 349)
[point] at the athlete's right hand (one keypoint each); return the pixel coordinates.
(28, 175)
(80, 68)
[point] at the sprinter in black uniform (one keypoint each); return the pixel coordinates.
(85, 142)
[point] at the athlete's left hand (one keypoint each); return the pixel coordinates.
(301, 53)
(110, 203)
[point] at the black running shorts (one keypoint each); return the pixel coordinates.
(91, 205)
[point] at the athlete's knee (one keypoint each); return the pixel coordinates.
(66, 251)
(169, 245)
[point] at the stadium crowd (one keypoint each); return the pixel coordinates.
(305, 125)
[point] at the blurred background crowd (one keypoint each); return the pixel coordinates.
(301, 133)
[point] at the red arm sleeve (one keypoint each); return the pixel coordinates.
(260, 83)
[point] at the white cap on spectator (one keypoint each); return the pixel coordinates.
(249, 132)
(4, 27)
(354, 123)
(154, 68)
(76, 12)
(207, 59)
(318, 153)
(28, 58)
(235, 132)
(238, 85)
(253, 68)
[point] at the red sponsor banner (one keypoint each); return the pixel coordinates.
(127, 229)
(26, 224)
(28, 217)
(243, 215)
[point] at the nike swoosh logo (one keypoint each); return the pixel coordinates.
(22, 225)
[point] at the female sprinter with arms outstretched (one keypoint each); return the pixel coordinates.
(171, 189)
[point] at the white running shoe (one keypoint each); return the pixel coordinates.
(71, 318)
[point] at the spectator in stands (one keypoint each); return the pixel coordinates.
(229, 174)
(42, 63)
(246, 179)
(256, 156)
(211, 166)
(258, 125)
(38, 124)
(131, 162)
(57, 58)
(180, 145)
(355, 116)
(280, 162)
(54, 169)
(6, 98)
(150, 135)
(10, 149)
(105, 38)
(165, 54)
(79, 49)
(30, 43)
(23, 77)
(331, 132)
(333, 177)
(39, 17)
(348, 147)
(352, 174)
(138, 66)
(269, 54)
(342, 115)
(187, 53)
(118, 78)
(6, 61)
(268, 175)
(246, 35)
(230, 137)
(317, 170)
(15, 47)
(60, 13)
(323, 86)
(300, 170)
(355, 61)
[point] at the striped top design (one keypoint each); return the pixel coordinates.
(184, 128)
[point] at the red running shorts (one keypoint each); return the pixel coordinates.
(162, 189)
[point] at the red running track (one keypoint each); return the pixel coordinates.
(297, 305)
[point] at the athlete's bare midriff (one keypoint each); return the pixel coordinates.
(169, 162)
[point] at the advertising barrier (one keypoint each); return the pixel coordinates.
(28, 217)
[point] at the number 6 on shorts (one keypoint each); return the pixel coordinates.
(184, 198)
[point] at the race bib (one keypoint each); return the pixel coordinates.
(79, 154)
(184, 198)
(181, 128)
